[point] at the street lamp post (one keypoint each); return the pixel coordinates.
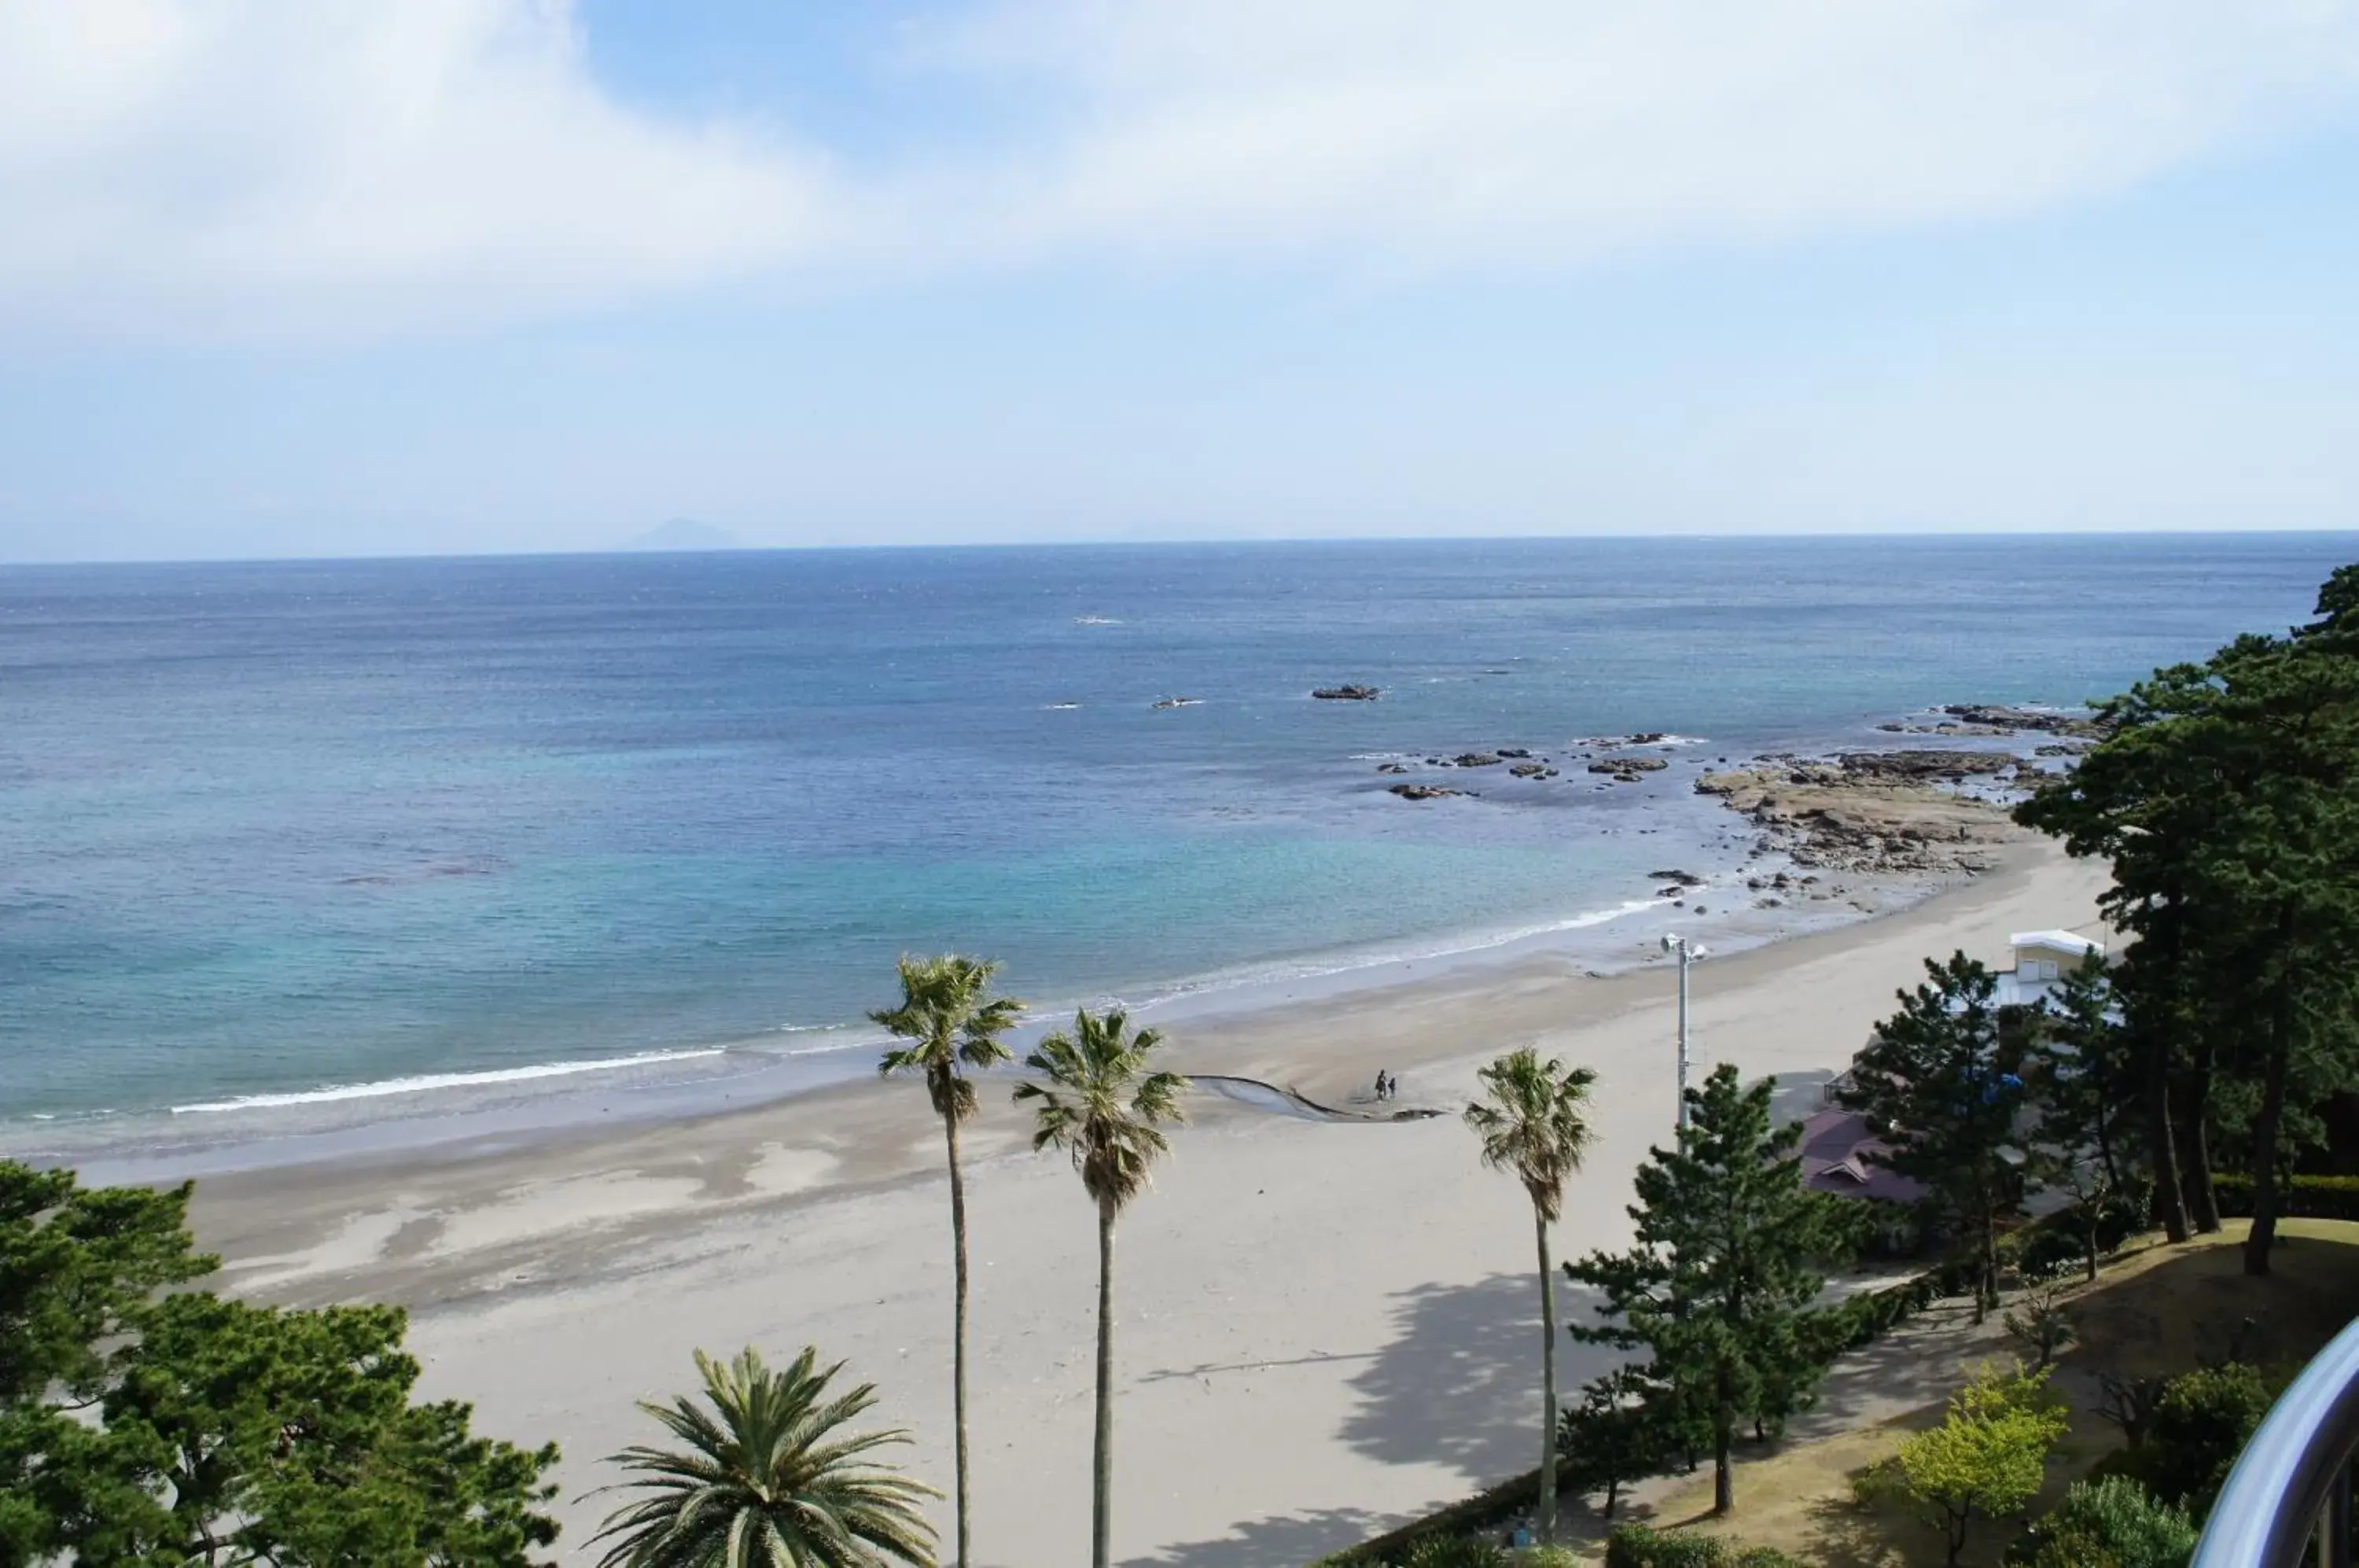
(1680, 948)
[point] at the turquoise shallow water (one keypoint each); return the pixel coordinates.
(274, 829)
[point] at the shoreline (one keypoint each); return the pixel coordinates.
(448, 1115)
(549, 1106)
(1280, 1041)
(1325, 1324)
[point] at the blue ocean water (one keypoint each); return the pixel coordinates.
(270, 828)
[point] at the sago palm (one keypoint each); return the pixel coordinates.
(1099, 1103)
(952, 1023)
(768, 1479)
(1533, 1123)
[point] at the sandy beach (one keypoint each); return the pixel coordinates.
(1323, 1328)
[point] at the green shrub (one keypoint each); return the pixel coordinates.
(2047, 1247)
(1635, 1546)
(1480, 1511)
(1548, 1557)
(2301, 1197)
(1985, 1460)
(2196, 1432)
(1456, 1552)
(2110, 1520)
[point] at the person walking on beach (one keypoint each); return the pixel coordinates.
(1380, 1082)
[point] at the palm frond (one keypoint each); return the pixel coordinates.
(1096, 1100)
(1534, 1123)
(768, 1478)
(952, 1021)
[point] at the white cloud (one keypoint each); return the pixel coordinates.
(1522, 131)
(329, 167)
(238, 167)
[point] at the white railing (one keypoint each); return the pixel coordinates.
(2292, 1483)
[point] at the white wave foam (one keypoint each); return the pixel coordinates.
(425, 1082)
(1463, 945)
(1611, 742)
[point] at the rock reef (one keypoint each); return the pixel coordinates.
(1998, 719)
(1425, 791)
(1872, 811)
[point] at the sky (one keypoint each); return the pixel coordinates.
(317, 278)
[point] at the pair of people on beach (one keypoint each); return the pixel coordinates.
(1387, 1086)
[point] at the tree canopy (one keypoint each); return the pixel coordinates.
(2226, 801)
(1987, 1458)
(183, 1429)
(1720, 1284)
(766, 1476)
(1941, 1084)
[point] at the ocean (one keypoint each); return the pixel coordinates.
(299, 833)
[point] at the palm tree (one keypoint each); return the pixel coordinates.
(952, 1022)
(1533, 1127)
(766, 1480)
(1102, 1106)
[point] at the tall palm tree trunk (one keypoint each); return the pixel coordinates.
(1548, 1383)
(1101, 1466)
(958, 1321)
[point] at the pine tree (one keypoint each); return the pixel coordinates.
(2081, 1081)
(1942, 1087)
(1619, 1433)
(2226, 801)
(1720, 1284)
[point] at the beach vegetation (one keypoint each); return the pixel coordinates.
(2225, 801)
(766, 1475)
(954, 1024)
(1546, 1557)
(1096, 1098)
(138, 1426)
(2200, 1424)
(2080, 1078)
(1456, 1552)
(1941, 1083)
(1641, 1546)
(1533, 1121)
(1721, 1283)
(2110, 1521)
(2041, 1322)
(1988, 1460)
(1620, 1432)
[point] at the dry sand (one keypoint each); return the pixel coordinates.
(1323, 1329)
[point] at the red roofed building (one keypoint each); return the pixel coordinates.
(1836, 1145)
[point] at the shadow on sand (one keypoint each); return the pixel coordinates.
(1458, 1386)
(1286, 1540)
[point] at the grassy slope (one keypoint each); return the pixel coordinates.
(2158, 1309)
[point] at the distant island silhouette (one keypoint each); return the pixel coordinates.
(685, 534)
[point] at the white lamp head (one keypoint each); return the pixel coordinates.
(1670, 942)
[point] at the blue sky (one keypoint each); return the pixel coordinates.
(302, 277)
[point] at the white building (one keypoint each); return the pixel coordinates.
(2041, 959)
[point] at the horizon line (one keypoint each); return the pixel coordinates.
(1677, 536)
